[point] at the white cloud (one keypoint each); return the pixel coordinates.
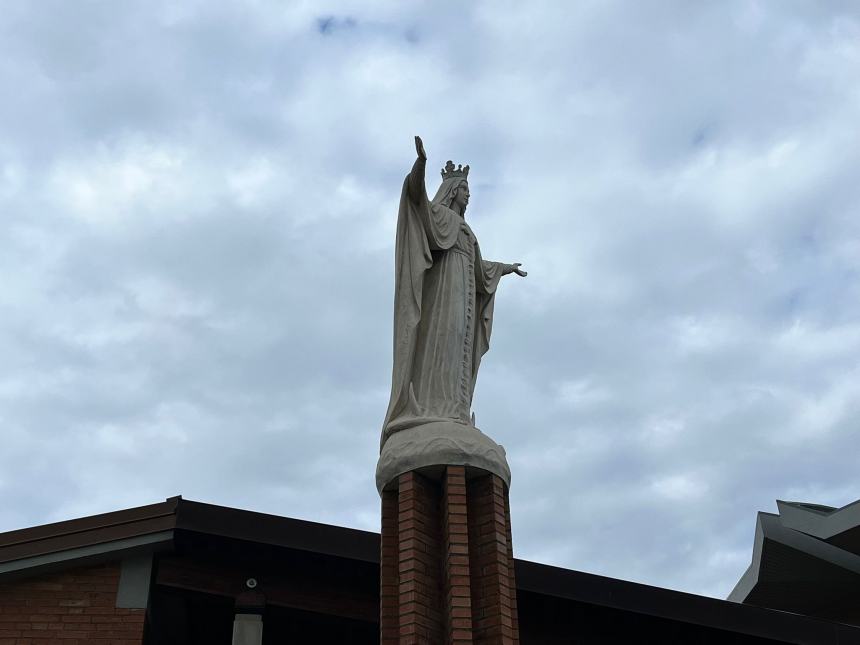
(680, 487)
(197, 207)
(107, 186)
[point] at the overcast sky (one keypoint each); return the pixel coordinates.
(197, 212)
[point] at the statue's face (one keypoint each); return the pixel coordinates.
(461, 197)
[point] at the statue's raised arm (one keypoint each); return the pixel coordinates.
(415, 183)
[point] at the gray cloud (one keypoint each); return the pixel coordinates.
(198, 207)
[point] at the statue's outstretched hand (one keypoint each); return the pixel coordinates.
(419, 148)
(515, 268)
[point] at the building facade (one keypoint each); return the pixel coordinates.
(183, 572)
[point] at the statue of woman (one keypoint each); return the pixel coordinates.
(443, 303)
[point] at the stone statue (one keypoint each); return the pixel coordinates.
(443, 316)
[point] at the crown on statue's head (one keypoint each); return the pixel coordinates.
(449, 172)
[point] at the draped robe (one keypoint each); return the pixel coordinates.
(443, 309)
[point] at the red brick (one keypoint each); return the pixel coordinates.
(70, 607)
(446, 561)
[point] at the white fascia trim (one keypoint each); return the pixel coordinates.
(78, 553)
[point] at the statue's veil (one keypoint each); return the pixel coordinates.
(445, 194)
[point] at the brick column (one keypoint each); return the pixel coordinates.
(419, 568)
(389, 561)
(455, 532)
(446, 566)
(491, 557)
(515, 621)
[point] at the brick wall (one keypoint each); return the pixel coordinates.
(72, 607)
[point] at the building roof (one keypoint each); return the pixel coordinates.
(157, 527)
(806, 559)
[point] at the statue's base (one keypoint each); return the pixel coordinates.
(430, 447)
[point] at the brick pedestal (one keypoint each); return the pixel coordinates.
(447, 564)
